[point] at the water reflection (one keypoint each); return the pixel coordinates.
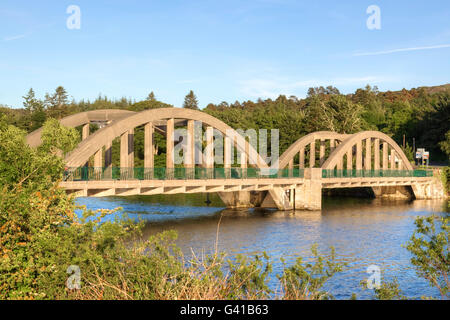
(363, 232)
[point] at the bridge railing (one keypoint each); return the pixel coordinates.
(116, 173)
(375, 173)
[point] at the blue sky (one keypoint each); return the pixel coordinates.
(223, 50)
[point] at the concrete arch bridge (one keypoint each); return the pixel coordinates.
(317, 161)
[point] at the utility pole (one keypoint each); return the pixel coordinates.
(404, 145)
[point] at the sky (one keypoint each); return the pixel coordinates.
(223, 50)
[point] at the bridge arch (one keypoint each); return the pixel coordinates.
(91, 145)
(372, 150)
(81, 119)
(327, 140)
(124, 129)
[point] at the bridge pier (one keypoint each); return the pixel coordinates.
(393, 192)
(236, 199)
(309, 195)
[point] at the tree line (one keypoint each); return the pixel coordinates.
(413, 118)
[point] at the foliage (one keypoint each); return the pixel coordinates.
(445, 178)
(190, 101)
(304, 281)
(409, 152)
(429, 246)
(21, 166)
(445, 145)
(55, 136)
(388, 290)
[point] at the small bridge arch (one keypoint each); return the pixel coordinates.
(373, 150)
(326, 141)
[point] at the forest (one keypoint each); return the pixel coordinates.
(416, 118)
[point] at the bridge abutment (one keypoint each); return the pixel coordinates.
(429, 191)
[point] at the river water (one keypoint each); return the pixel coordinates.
(364, 232)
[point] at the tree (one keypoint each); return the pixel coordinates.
(57, 137)
(445, 145)
(321, 91)
(430, 252)
(190, 101)
(56, 102)
(338, 114)
(151, 97)
(30, 103)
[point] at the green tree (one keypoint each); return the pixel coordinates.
(305, 281)
(337, 114)
(32, 104)
(57, 137)
(151, 97)
(445, 145)
(429, 246)
(190, 101)
(56, 102)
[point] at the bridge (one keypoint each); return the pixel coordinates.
(317, 161)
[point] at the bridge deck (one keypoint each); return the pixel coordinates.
(100, 188)
(148, 187)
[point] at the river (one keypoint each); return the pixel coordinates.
(364, 232)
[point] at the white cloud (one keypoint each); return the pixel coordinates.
(11, 38)
(376, 53)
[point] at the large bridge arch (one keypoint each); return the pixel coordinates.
(79, 119)
(91, 145)
(121, 128)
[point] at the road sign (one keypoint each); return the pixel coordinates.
(426, 155)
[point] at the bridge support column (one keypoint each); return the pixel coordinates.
(236, 199)
(189, 158)
(309, 195)
(98, 158)
(392, 159)
(131, 148)
(349, 159)
(148, 151)
(393, 192)
(312, 154)
(368, 155)
(84, 136)
(209, 152)
(376, 150)
(358, 155)
(385, 156)
(322, 152)
(170, 148)
(301, 164)
(227, 156)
